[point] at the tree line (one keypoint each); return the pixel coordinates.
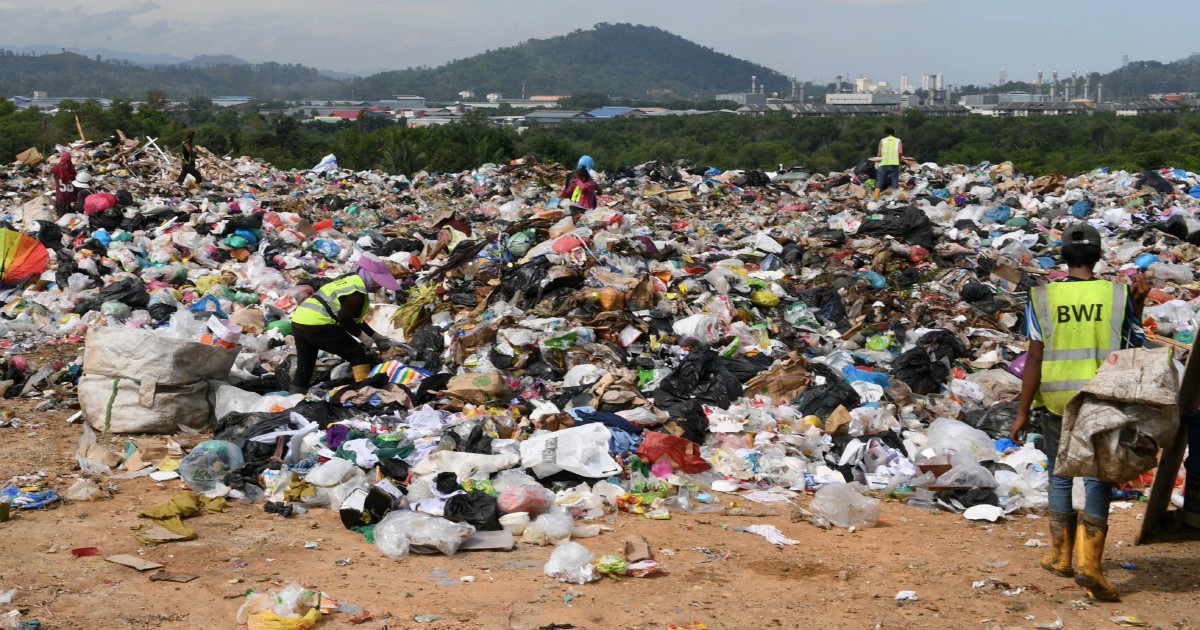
(1035, 145)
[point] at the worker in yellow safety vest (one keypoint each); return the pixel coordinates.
(890, 152)
(1073, 325)
(332, 319)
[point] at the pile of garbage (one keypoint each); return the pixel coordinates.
(698, 335)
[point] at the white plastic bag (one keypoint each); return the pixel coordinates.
(330, 473)
(968, 443)
(403, 531)
(844, 506)
(580, 450)
(572, 562)
(552, 528)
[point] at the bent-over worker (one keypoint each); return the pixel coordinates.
(332, 319)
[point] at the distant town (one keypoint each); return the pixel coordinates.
(861, 97)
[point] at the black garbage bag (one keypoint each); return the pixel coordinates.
(926, 367)
(975, 291)
(130, 291)
(792, 254)
(866, 170)
(430, 386)
(746, 368)
(544, 370)
(906, 277)
(446, 483)
(700, 376)
(1175, 226)
(464, 295)
(822, 400)
(50, 235)
(427, 344)
(827, 304)
(1155, 181)
(526, 278)
(917, 369)
(474, 508)
(124, 198)
(995, 420)
(960, 499)
(906, 223)
(477, 442)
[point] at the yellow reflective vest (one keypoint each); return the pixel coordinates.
(889, 151)
(1081, 325)
(315, 311)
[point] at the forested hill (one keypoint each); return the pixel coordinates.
(621, 60)
(69, 74)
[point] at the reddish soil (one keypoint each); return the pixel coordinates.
(832, 579)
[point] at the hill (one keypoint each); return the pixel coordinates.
(69, 74)
(621, 60)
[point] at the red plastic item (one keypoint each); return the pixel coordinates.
(323, 224)
(685, 453)
(84, 552)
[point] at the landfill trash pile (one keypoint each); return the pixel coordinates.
(699, 338)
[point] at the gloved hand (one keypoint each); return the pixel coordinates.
(383, 342)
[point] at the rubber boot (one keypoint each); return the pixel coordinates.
(361, 372)
(1062, 544)
(1089, 556)
(1191, 501)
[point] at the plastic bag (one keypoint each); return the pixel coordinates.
(291, 608)
(403, 531)
(967, 443)
(548, 529)
(475, 508)
(967, 475)
(84, 490)
(572, 562)
(530, 498)
(844, 506)
(209, 464)
(88, 465)
(580, 450)
(330, 473)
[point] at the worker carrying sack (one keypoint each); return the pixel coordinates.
(1115, 426)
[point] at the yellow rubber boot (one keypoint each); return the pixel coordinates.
(1089, 555)
(361, 372)
(1062, 544)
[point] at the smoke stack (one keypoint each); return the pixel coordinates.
(753, 84)
(1100, 93)
(794, 93)
(1039, 85)
(1074, 91)
(1087, 87)
(1054, 86)
(838, 88)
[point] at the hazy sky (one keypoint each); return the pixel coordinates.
(814, 39)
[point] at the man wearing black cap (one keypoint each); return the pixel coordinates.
(1073, 325)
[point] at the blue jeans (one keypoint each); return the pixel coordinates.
(887, 174)
(1097, 494)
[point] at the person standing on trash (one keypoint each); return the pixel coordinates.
(64, 186)
(189, 159)
(889, 154)
(581, 189)
(1074, 325)
(332, 319)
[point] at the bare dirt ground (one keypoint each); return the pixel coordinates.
(716, 575)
